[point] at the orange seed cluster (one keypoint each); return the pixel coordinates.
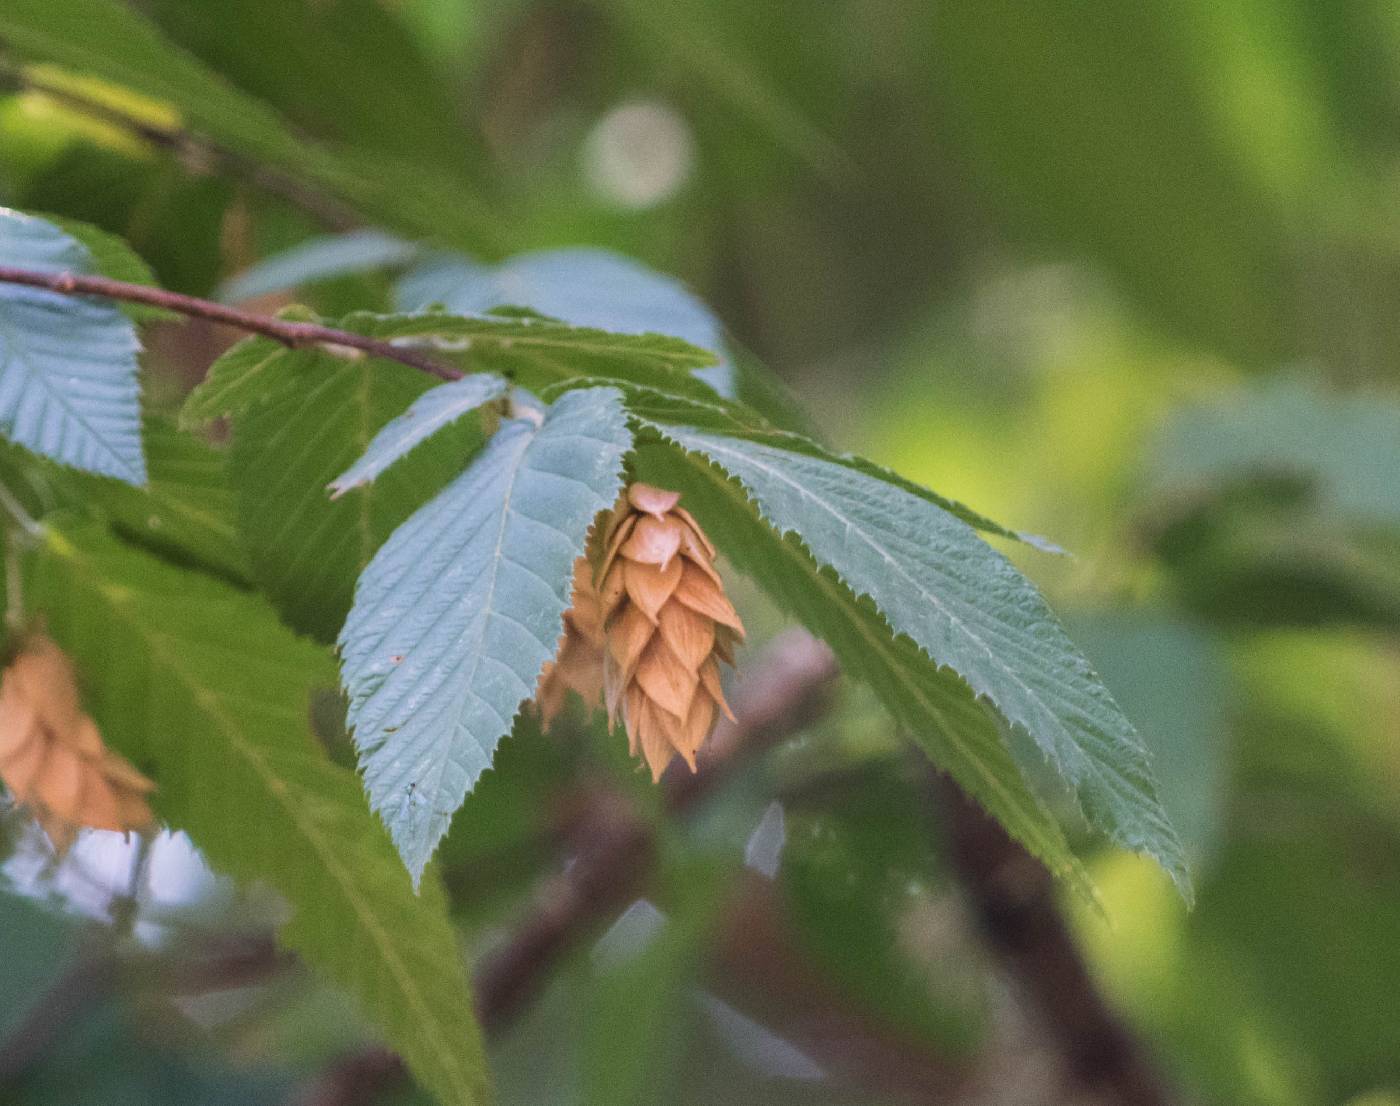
(667, 624)
(579, 663)
(52, 757)
(649, 625)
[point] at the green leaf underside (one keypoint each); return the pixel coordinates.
(202, 687)
(317, 259)
(111, 41)
(300, 419)
(936, 709)
(459, 611)
(969, 609)
(429, 413)
(68, 373)
(735, 421)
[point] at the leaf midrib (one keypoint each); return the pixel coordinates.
(897, 569)
(18, 350)
(566, 342)
(211, 703)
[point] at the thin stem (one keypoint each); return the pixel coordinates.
(15, 509)
(290, 333)
(1013, 899)
(14, 585)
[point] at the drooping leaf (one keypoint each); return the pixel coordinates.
(581, 287)
(970, 610)
(935, 708)
(458, 612)
(201, 686)
(428, 414)
(300, 419)
(109, 40)
(335, 255)
(68, 373)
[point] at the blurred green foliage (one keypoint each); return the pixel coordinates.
(1125, 273)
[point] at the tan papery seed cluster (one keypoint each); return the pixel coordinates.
(52, 757)
(649, 625)
(579, 663)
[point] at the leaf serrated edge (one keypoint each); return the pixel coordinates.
(1071, 871)
(1171, 858)
(209, 702)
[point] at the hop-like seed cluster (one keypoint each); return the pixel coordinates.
(666, 625)
(52, 757)
(579, 663)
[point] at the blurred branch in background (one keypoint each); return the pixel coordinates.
(99, 975)
(612, 851)
(1013, 899)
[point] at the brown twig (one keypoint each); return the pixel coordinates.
(759, 963)
(289, 332)
(1013, 898)
(617, 849)
(95, 976)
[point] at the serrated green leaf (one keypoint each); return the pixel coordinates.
(735, 421)
(935, 708)
(300, 419)
(967, 608)
(109, 40)
(459, 611)
(68, 373)
(429, 413)
(200, 685)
